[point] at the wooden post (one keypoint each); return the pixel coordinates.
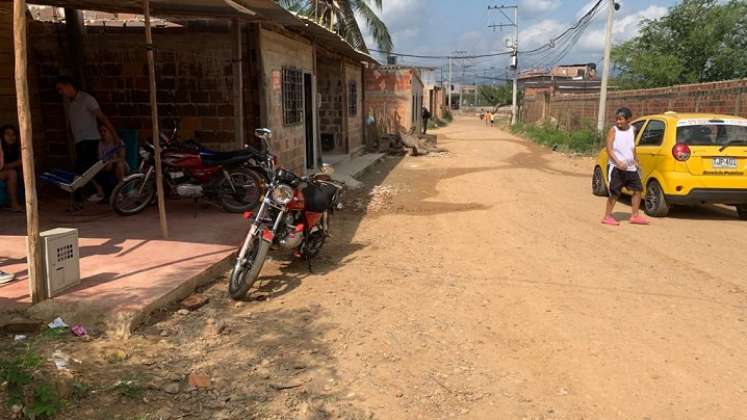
(38, 291)
(75, 28)
(238, 85)
(154, 118)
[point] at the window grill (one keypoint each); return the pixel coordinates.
(352, 98)
(292, 96)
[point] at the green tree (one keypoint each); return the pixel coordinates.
(340, 15)
(496, 95)
(698, 41)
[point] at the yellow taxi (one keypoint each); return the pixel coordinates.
(687, 159)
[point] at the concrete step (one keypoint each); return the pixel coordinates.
(347, 171)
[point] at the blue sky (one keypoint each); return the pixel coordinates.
(438, 27)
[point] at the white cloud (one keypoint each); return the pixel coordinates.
(538, 6)
(539, 33)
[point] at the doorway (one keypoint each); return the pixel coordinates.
(309, 119)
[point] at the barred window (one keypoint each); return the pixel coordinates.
(352, 98)
(292, 96)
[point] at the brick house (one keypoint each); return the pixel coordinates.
(195, 80)
(394, 97)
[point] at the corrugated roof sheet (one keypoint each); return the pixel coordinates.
(259, 9)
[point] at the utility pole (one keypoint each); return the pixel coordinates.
(602, 111)
(448, 88)
(514, 54)
(461, 86)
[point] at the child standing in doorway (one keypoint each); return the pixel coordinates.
(622, 168)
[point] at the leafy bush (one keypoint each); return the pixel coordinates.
(39, 398)
(447, 115)
(580, 141)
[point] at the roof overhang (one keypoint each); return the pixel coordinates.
(246, 9)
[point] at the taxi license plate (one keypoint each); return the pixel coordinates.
(725, 162)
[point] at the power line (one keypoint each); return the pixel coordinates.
(443, 57)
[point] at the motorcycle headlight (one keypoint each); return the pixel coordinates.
(282, 194)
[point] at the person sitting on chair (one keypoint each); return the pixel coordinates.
(10, 165)
(85, 114)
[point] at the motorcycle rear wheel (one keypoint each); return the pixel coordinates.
(248, 191)
(125, 199)
(243, 276)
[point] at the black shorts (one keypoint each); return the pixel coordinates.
(624, 179)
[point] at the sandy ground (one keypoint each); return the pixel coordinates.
(478, 285)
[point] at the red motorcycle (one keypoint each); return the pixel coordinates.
(190, 171)
(294, 215)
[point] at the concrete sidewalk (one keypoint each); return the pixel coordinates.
(127, 270)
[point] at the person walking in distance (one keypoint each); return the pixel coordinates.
(425, 115)
(623, 168)
(84, 116)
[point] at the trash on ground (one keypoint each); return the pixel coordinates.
(57, 323)
(60, 360)
(79, 331)
(19, 337)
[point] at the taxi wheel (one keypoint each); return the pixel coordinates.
(742, 211)
(655, 204)
(597, 183)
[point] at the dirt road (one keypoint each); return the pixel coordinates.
(480, 285)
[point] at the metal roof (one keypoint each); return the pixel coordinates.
(247, 9)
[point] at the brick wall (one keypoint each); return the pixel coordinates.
(8, 114)
(389, 94)
(355, 122)
(329, 86)
(574, 111)
(194, 80)
(277, 51)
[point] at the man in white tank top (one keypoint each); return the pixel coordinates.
(622, 168)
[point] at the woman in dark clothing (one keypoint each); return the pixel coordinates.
(10, 164)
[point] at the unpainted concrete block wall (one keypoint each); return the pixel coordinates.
(277, 51)
(355, 121)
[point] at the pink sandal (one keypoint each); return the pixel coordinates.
(610, 221)
(638, 220)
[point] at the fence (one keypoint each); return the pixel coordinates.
(576, 111)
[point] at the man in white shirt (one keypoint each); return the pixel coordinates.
(623, 168)
(84, 116)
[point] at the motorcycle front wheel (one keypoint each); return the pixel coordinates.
(244, 275)
(131, 196)
(247, 194)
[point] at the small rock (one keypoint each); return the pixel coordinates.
(400, 395)
(171, 388)
(264, 373)
(183, 312)
(195, 302)
(282, 386)
(164, 333)
(20, 325)
(198, 380)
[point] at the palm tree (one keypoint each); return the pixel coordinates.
(339, 15)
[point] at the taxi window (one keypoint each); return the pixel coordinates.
(711, 134)
(653, 135)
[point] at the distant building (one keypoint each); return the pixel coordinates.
(576, 71)
(567, 79)
(394, 97)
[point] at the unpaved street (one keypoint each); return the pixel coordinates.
(480, 285)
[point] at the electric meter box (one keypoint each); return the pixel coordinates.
(61, 259)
